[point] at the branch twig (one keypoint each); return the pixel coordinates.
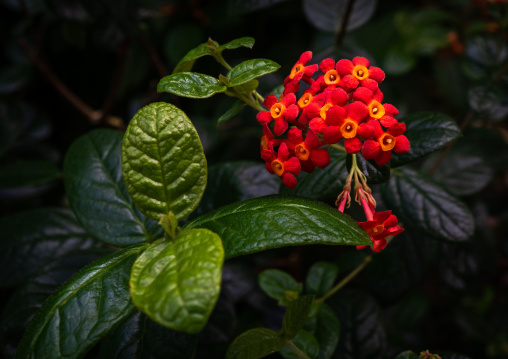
(347, 14)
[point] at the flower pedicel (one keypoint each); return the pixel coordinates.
(342, 103)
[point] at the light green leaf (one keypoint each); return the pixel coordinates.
(236, 43)
(164, 166)
(97, 193)
(187, 62)
(83, 310)
(190, 84)
(251, 69)
(176, 283)
(254, 344)
(279, 285)
(277, 221)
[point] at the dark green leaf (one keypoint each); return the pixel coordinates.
(164, 166)
(254, 344)
(26, 300)
(375, 173)
(236, 181)
(279, 285)
(407, 355)
(362, 335)
(328, 15)
(325, 327)
(28, 173)
(249, 70)
(187, 62)
(182, 38)
(277, 221)
(320, 278)
(232, 112)
(304, 342)
(83, 310)
(427, 132)
(190, 84)
(97, 193)
(463, 170)
(33, 239)
(244, 89)
(236, 43)
(177, 282)
(141, 338)
(420, 203)
(322, 183)
(296, 315)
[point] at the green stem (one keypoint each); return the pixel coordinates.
(221, 61)
(346, 280)
(297, 351)
(339, 147)
(261, 98)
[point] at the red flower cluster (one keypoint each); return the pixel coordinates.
(344, 102)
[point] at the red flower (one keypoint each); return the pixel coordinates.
(379, 144)
(384, 224)
(308, 103)
(307, 151)
(383, 113)
(335, 97)
(300, 71)
(281, 112)
(344, 124)
(268, 141)
(331, 78)
(282, 165)
(359, 72)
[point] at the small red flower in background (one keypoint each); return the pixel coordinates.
(359, 72)
(307, 151)
(282, 165)
(384, 224)
(281, 112)
(379, 144)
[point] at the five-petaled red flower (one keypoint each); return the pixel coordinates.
(359, 72)
(308, 151)
(282, 165)
(281, 112)
(384, 224)
(379, 144)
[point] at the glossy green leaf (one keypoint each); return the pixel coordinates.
(375, 173)
(362, 335)
(176, 283)
(232, 112)
(296, 315)
(325, 327)
(320, 278)
(235, 181)
(427, 132)
(97, 193)
(303, 342)
(279, 285)
(328, 15)
(424, 205)
(83, 310)
(236, 43)
(28, 173)
(245, 88)
(251, 69)
(190, 84)
(27, 299)
(254, 344)
(163, 163)
(322, 183)
(462, 170)
(187, 62)
(35, 238)
(407, 355)
(277, 221)
(139, 337)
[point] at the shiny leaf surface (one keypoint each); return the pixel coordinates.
(190, 84)
(251, 69)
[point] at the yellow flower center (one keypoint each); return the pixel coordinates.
(360, 72)
(277, 110)
(305, 100)
(301, 152)
(332, 77)
(376, 110)
(295, 70)
(348, 129)
(278, 167)
(264, 143)
(325, 108)
(387, 142)
(378, 229)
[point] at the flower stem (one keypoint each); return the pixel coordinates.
(346, 280)
(339, 147)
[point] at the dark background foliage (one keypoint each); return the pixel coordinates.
(68, 67)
